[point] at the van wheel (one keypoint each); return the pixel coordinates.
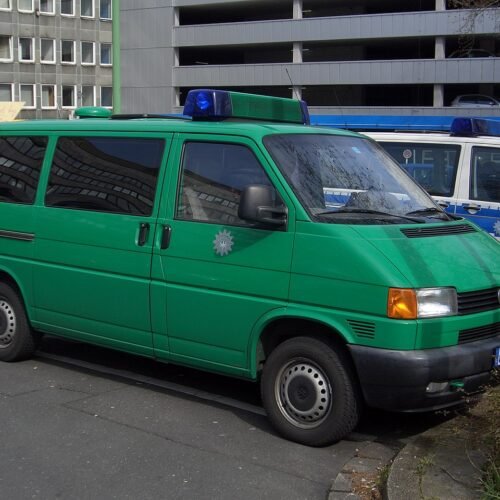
(17, 341)
(309, 392)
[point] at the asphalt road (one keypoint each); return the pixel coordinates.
(78, 421)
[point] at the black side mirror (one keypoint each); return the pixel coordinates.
(257, 204)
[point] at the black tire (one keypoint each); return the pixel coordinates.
(310, 392)
(17, 340)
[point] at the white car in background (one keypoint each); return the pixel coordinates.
(462, 173)
(474, 101)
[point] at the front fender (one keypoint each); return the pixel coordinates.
(320, 317)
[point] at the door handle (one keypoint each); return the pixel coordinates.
(165, 237)
(472, 208)
(143, 234)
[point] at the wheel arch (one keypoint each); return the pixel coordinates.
(281, 325)
(11, 280)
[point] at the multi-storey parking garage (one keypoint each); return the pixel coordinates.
(355, 54)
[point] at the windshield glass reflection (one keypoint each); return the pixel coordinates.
(350, 180)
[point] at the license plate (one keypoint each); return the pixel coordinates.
(497, 357)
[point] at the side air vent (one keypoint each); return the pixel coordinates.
(426, 232)
(362, 329)
(479, 333)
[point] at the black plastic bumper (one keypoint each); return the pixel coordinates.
(398, 380)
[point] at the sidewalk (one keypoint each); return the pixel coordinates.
(445, 462)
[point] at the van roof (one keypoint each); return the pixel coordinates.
(256, 129)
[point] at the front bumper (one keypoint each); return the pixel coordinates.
(397, 380)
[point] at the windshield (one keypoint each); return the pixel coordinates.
(350, 180)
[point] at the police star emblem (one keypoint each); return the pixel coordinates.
(223, 243)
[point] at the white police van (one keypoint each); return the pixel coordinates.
(460, 169)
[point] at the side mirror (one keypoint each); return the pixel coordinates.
(257, 205)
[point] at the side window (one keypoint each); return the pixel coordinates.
(485, 174)
(433, 166)
(21, 160)
(212, 179)
(106, 174)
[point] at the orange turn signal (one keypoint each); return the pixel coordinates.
(402, 303)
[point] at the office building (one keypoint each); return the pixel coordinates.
(341, 56)
(55, 55)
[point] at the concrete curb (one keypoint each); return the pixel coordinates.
(370, 459)
(438, 464)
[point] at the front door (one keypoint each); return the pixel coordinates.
(221, 274)
(94, 239)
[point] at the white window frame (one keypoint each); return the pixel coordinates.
(29, 10)
(7, 8)
(48, 12)
(73, 62)
(75, 97)
(11, 50)
(55, 95)
(33, 86)
(80, 95)
(110, 54)
(93, 10)
(100, 96)
(43, 61)
(73, 10)
(32, 60)
(12, 97)
(110, 11)
(84, 63)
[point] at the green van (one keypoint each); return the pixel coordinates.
(238, 239)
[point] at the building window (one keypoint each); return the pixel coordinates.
(21, 160)
(26, 52)
(67, 52)
(48, 96)
(25, 6)
(88, 53)
(87, 8)
(105, 174)
(5, 5)
(68, 96)
(105, 9)
(67, 7)
(47, 51)
(6, 48)
(47, 7)
(107, 97)
(27, 95)
(88, 95)
(6, 92)
(106, 54)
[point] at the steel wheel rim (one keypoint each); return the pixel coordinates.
(7, 324)
(303, 393)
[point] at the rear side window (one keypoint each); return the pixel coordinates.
(21, 160)
(485, 174)
(105, 174)
(433, 166)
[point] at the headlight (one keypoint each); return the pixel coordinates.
(409, 303)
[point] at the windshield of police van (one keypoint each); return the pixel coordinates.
(350, 180)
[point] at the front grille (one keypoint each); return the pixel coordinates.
(478, 301)
(479, 333)
(426, 232)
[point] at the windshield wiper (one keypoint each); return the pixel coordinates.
(429, 211)
(367, 211)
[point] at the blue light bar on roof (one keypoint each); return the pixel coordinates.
(208, 104)
(471, 127)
